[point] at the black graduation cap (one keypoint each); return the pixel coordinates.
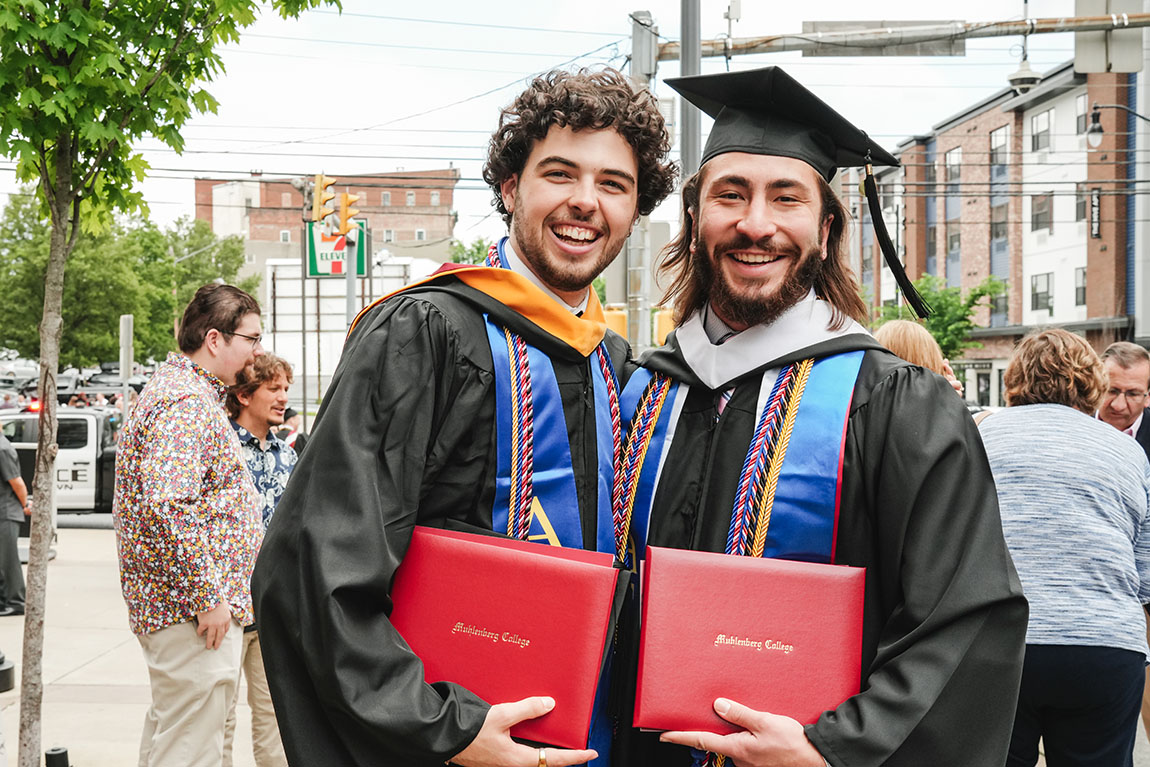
(766, 111)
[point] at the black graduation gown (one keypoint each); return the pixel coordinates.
(944, 616)
(406, 436)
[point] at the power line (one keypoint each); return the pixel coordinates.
(467, 24)
(368, 44)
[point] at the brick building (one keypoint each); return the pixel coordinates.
(1010, 187)
(409, 213)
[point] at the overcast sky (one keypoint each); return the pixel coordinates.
(388, 85)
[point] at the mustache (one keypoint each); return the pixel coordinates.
(743, 242)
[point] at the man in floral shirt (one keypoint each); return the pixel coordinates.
(256, 404)
(188, 529)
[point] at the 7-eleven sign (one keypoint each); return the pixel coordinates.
(327, 254)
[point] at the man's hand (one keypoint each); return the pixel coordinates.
(493, 746)
(213, 625)
(767, 740)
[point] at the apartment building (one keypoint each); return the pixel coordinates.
(1012, 188)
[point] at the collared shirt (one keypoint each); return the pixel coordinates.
(515, 264)
(270, 467)
(185, 509)
(1130, 430)
(717, 331)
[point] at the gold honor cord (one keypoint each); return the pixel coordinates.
(767, 500)
(658, 389)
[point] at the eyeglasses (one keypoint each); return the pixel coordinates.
(1133, 397)
(254, 339)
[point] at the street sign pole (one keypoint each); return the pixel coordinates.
(351, 266)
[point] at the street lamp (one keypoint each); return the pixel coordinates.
(1094, 131)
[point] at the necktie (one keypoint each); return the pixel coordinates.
(725, 397)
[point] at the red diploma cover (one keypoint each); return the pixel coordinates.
(778, 636)
(508, 620)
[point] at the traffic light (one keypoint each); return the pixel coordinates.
(346, 212)
(321, 197)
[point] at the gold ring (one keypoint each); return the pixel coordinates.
(542, 757)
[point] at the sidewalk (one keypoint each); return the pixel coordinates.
(95, 682)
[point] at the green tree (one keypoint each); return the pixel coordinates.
(80, 82)
(126, 270)
(475, 253)
(951, 318)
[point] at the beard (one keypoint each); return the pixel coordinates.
(743, 309)
(557, 274)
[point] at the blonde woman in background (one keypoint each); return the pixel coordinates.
(914, 343)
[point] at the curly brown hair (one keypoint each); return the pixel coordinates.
(585, 99)
(690, 278)
(1057, 367)
(265, 369)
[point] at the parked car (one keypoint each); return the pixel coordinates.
(85, 463)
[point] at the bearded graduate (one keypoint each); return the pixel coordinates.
(434, 385)
(878, 464)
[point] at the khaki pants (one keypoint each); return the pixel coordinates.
(266, 744)
(192, 688)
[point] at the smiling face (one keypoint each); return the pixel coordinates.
(572, 206)
(264, 408)
(760, 234)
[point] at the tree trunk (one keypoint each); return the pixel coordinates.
(42, 531)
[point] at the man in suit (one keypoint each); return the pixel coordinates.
(1124, 407)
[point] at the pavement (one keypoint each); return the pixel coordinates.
(95, 682)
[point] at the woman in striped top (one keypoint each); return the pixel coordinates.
(1075, 499)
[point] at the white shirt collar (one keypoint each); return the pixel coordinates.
(515, 264)
(804, 324)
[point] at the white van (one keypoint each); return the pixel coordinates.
(85, 463)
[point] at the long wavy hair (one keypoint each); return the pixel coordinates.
(690, 285)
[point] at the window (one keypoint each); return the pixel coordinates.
(285, 199)
(1080, 286)
(389, 235)
(385, 199)
(72, 433)
(1041, 212)
(435, 198)
(998, 146)
(1080, 114)
(420, 234)
(954, 165)
(998, 222)
(953, 238)
(410, 198)
(285, 235)
(1040, 131)
(931, 249)
(1040, 290)
(1080, 202)
(998, 305)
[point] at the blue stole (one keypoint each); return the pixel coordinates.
(555, 511)
(555, 518)
(804, 518)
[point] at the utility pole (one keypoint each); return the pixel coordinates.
(644, 43)
(691, 64)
